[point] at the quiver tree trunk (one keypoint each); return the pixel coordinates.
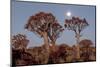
(77, 46)
(46, 42)
(46, 46)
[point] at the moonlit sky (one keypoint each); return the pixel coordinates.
(21, 11)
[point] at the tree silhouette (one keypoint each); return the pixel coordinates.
(19, 41)
(77, 25)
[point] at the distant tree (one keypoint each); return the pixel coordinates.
(86, 49)
(19, 41)
(19, 53)
(86, 43)
(77, 25)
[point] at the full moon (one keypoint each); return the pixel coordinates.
(68, 14)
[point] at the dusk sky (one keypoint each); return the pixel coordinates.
(21, 11)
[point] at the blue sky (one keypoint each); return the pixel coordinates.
(21, 11)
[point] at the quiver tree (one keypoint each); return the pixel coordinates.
(40, 25)
(19, 41)
(77, 25)
(45, 25)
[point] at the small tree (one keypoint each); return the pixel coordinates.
(19, 41)
(86, 46)
(77, 25)
(85, 43)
